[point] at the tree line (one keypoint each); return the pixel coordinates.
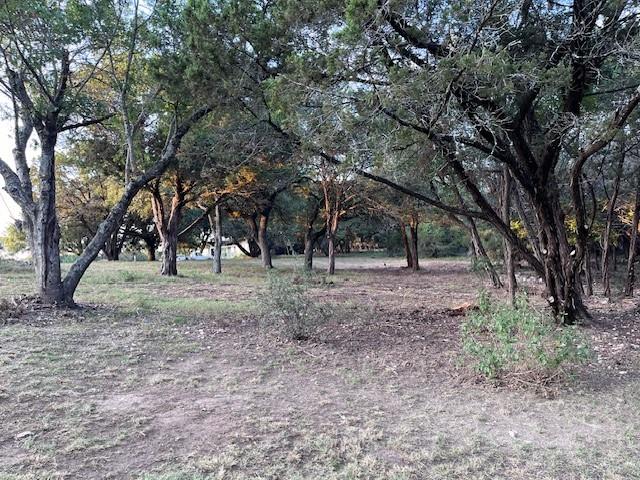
(518, 116)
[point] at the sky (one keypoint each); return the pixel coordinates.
(8, 209)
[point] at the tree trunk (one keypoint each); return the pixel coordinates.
(150, 246)
(216, 226)
(333, 219)
(331, 248)
(476, 240)
(167, 225)
(252, 240)
(169, 265)
(532, 237)
(405, 244)
(606, 236)
(46, 231)
(308, 251)
(112, 246)
(588, 272)
(413, 244)
(45, 241)
(633, 244)
(263, 240)
(482, 255)
(506, 245)
(560, 264)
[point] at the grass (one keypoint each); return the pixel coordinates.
(170, 379)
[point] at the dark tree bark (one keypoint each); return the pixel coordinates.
(413, 243)
(252, 240)
(311, 236)
(333, 197)
(216, 226)
(506, 246)
(150, 246)
(633, 244)
(332, 229)
(405, 244)
(113, 246)
(167, 224)
(588, 271)
(263, 239)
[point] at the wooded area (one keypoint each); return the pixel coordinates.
(519, 116)
(503, 131)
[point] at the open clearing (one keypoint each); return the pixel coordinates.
(173, 378)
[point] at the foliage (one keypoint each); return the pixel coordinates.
(435, 239)
(287, 307)
(519, 344)
(13, 239)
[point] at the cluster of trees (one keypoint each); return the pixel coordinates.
(154, 117)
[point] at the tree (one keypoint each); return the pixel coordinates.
(532, 91)
(52, 54)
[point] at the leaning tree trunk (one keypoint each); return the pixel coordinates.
(506, 245)
(263, 240)
(216, 226)
(606, 236)
(633, 244)
(482, 254)
(478, 246)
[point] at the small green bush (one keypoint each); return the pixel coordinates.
(287, 307)
(517, 343)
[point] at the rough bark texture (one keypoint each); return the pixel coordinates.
(46, 230)
(216, 226)
(263, 239)
(167, 224)
(332, 229)
(311, 236)
(510, 273)
(332, 209)
(413, 243)
(405, 244)
(252, 240)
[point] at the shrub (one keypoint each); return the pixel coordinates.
(287, 307)
(519, 344)
(14, 239)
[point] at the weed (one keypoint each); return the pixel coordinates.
(287, 307)
(518, 343)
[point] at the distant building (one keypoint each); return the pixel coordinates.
(229, 250)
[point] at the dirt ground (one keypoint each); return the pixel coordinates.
(174, 379)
